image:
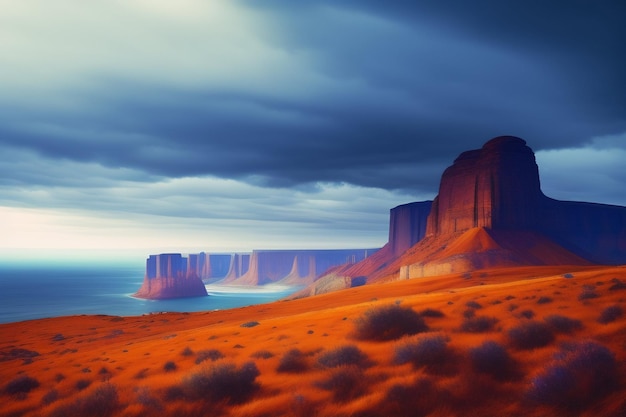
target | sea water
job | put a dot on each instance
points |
(33, 292)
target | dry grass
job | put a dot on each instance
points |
(438, 372)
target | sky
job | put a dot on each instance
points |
(142, 126)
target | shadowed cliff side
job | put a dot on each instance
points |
(169, 276)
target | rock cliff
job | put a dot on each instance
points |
(171, 275)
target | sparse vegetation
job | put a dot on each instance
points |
(187, 352)
(479, 324)
(428, 351)
(562, 324)
(617, 284)
(342, 356)
(222, 382)
(610, 314)
(544, 300)
(169, 366)
(388, 323)
(293, 361)
(417, 399)
(580, 374)
(430, 312)
(346, 383)
(50, 397)
(262, 354)
(250, 324)
(101, 402)
(588, 292)
(493, 359)
(473, 304)
(530, 335)
(212, 354)
(21, 385)
(527, 314)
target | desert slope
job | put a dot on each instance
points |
(281, 354)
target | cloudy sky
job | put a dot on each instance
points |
(150, 125)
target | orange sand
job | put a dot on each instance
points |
(133, 350)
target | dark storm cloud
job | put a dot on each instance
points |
(386, 95)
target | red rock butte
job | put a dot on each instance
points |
(489, 212)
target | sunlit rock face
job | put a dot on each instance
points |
(495, 187)
(169, 275)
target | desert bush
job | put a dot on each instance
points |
(430, 352)
(169, 366)
(222, 382)
(568, 275)
(212, 354)
(478, 324)
(50, 397)
(344, 355)
(145, 398)
(530, 335)
(250, 324)
(563, 324)
(588, 292)
(579, 374)
(469, 313)
(617, 284)
(346, 383)
(610, 314)
(262, 354)
(544, 300)
(473, 304)
(187, 352)
(21, 385)
(81, 384)
(388, 323)
(527, 314)
(417, 399)
(101, 402)
(430, 312)
(293, 361)
(493, 359)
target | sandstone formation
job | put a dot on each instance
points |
(171, 275)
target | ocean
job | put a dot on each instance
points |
(33, 292)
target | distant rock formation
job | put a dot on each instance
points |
(295, 267)
(171, 275)
(490, 211)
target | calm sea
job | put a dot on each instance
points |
(28, 292)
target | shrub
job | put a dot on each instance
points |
(579, 374)
(388, 323)
(212, 354)
(544, 300)
(530, 335)
(617, 284)
(473, 304)
(588, 292)
(563, 324)
(187, 352)
(50, 397)
(568, 275)
(345, 355)
(469, 313)
(101, 402)
(527, 314)
(145, 398)
(81, 384)
(417, 399)
(250, 324)
(169, 366)
(430, 352)
(293, 361)
(429, 312)
(222, 382)
(346, 383)
(478, 324)
(21, 385)
(610, 314)
(262, 354)
(492, 359)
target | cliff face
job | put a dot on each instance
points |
(296, 267)
(407, 225)
(495, 187)
(169, 275)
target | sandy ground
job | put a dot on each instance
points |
(137, 366)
